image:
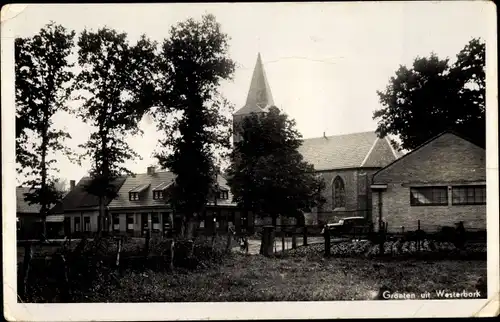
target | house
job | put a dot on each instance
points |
(142, 205)
(345, 162)
(29, 222)
(80, 209)
(440, 183)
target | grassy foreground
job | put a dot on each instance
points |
(294, 278)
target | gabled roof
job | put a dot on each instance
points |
(421, 146)
(156, 181)
(162, 186)
(79, 199)
(356, 150)
(23, 206)
(259, 96)
(149, 181)
(222, 184)
(140, 188)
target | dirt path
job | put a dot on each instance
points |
(254, 244)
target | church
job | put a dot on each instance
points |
(345, 162)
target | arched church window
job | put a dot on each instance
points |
(338, 193)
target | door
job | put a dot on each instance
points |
(67, 226)
(144, 224)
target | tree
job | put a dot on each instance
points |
(268, 175)
(116, 86)
(434, 96)
(42, 76)
(190, 111)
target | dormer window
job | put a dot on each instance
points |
(134, 194)
(158, 195)
(159, 192)
(223, 194)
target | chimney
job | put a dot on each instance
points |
(151, 170)
(71, 184)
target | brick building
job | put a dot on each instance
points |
(440, 183)
(346, 162)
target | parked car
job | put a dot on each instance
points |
(347, 226)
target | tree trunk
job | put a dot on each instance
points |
(43, 172)
(101, 216)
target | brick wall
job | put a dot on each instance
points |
(448, 160)
(397, 212)
(358, 195)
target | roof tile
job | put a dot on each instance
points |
(347, 151)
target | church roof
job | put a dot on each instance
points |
(356, 150)
(259, 96)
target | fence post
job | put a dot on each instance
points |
(418, 236)
(267, 240)
(294, 239)
(327, 241)
(305, 236)
(28, 255)
(146, 248)
(381, 238)
(119, 249)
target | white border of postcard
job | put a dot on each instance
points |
(241, 310)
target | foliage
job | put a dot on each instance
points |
(267, 174)
(42, 76)
(193, 63)
(115, 86)
(434, 96)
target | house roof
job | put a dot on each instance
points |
(356, 150)
(23, 206)
(259, 97)
(155, 181)
(420, 147)
(79, 198)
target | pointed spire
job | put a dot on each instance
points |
(259, 95)
(260, 92)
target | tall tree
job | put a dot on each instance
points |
(116, 86)
(193, 62)
(434, 96)
(268, 175)
(42, 76)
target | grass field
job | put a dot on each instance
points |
(310, 278)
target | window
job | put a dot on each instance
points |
(468, 195)
(134, 196)
(77, 223)
(338, 193)
(158, 195)
(223, 194)
(116, 222)
(429, 196)
(86, 224)
(130, 222)
(155, 218)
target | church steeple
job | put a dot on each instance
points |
(259, 96)
(260, 92)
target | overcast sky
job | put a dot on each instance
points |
(324, 62)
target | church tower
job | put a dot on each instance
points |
(259, 98)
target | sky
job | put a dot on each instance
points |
(324, 61)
